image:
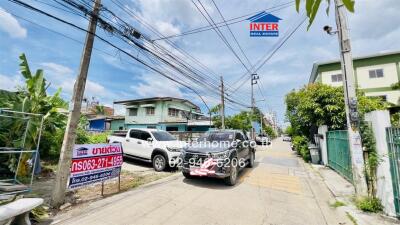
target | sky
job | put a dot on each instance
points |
(374, 28)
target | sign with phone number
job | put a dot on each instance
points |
(92, 163)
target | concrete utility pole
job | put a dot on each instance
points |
(262, 122)
(254, 78)
(350, 101)
(222, 103)
(63, 169)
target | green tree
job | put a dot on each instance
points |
(269, 131)
(33, 98)
(312, 7)
(240, 121)
(215, 116)
(99, 110)
(320, 104)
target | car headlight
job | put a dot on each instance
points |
(220, 155)
(174, 149)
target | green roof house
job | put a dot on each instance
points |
(374, 74)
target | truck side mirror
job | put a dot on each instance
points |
(150, 139)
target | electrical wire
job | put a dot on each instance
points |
(218, 31)
(221, 24)
(272, 52)
(234, 37)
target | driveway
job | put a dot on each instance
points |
(133, 165)
(280, 189)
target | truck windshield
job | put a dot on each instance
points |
(163, 136)
(216, 136)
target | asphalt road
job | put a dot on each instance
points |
(280, 189)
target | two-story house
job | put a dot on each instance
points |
(164, 113)
(374, 74)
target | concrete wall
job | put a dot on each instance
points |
(326, 78)
(379, 121)
(391, 96)
(389, 76)
(116, 124)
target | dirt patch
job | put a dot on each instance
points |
(128, 181)
(43, 186)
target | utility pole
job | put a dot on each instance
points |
(222, 104)
(254, 78)
(261, 122)
(350, 97)
(63, 169)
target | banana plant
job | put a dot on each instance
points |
(33, 98)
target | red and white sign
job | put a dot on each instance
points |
(93, 163)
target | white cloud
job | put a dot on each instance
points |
(10, 25)
(167, 28)
(55, 68)
(62, 76)
(10, 83)
(152, 85)
(170, 17)
(95, 88)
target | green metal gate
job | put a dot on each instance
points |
(339, 157)
(393, 140)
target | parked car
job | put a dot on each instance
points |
(151, 145)
(220, 154)
(263, 139)
(287, 138)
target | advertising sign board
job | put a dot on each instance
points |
(92, 163)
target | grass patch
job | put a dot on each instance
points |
(369, 204)
(353, 220)
(337, 204)
(140, 180)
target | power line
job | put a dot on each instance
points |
(107, 42)
(234, 38)
(218, 31)
(180, 50)
(280, 43)
(104, 26)
(221, 24)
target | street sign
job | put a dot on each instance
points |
(92, 163)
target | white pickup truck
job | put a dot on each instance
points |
(156, 146)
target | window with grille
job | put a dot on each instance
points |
(133, 112)
(378, 73)
(150, 111)
(173, 112)
(337, 78)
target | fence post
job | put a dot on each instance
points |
(380, 120)
(322, 143)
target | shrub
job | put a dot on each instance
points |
(300, 143)
(337, 204)
(97, 138)
(369, 204)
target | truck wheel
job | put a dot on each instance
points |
(159, 163)
(187, 175)
(232, 178)
(251, 159)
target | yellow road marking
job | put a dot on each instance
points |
(281, 182)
